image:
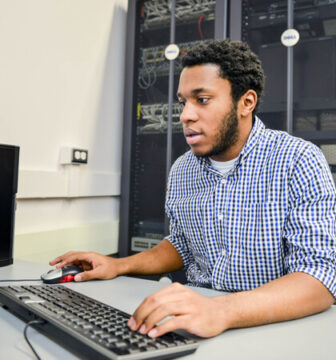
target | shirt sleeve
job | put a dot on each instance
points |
(310, 231)
(176, 236)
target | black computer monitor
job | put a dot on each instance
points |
(9, 162)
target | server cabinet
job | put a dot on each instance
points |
(147, 124)
(300, 92)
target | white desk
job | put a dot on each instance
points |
(311, 338)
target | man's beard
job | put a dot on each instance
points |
(227, 134)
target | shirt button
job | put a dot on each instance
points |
(218, 287)
(223, 252)
(223, 181)
(220, 217)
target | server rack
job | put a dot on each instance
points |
(300, 92)
(152, 133)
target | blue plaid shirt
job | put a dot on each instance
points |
(272, 214)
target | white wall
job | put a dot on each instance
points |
(62, 77)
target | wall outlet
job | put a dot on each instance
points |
(73, 156)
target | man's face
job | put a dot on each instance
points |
(209, 116)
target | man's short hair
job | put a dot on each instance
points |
(237, 63)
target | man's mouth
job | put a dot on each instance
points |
(192, 136)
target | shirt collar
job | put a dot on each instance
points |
(252, 141)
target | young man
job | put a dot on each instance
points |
(252, 211)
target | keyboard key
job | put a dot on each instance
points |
(86, 326)
(120, 351)
(112, 339)
(133, 349)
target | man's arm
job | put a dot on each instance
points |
(290, 297)
(161, 259)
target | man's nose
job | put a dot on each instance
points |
(188, 113)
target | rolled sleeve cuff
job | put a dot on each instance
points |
(180, 248)
(326, 275)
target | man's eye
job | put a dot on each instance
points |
(202, 100)
(182, 102)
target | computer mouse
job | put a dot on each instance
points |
(66, 274)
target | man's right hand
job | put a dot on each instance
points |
(162, 258)
(94, 265)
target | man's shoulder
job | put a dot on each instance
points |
(185, 163)
(186, 159)
(285, 144)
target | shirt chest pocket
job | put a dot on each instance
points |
(256, 226)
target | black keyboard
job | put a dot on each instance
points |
(88, 327)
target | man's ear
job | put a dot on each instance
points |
(247, 103)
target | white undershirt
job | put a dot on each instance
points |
(223, 166)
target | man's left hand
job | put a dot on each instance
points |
(195, 313)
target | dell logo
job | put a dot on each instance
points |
(290, 37)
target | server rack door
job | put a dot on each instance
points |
(313, 72)
(314, 75)
(262, 24)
